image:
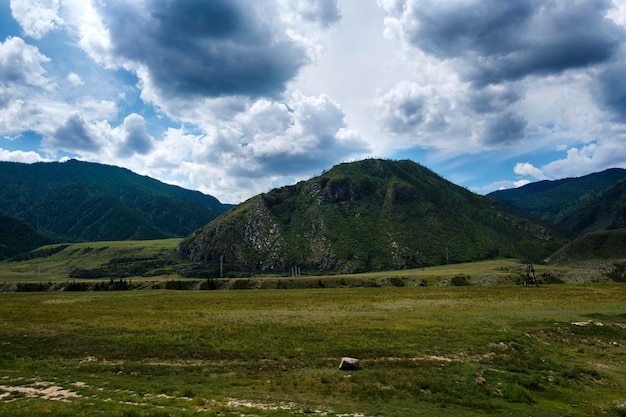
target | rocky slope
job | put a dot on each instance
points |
(364, 216)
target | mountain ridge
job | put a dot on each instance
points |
(83, 201)
(367, 215)
(590, 203)
(17, 237)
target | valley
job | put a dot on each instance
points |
(157, 265)
(250, 314)
(425, 351)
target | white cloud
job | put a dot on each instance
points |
(75, 79)
(28, 157)
(527, 169)
(21, 64)
(618, 12)
(136, 139)
(521, 183)
(593, 157)
(265, 144)
(36, 17)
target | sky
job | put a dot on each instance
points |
(236, 97)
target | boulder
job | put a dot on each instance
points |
(349, 364)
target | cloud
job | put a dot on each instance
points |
(234, 97)
(136, 139)
(200, 49)
(73, 136)
(528, 169)
(36, 17)
(409, 107)
(493, 98)
(74, 79)
(503, 54)
(21, 64)
(502, 128)
(521, 183)
(611, 87)
(24, 89)
(272, 143)
(28, 157)
(506, 41)
(324, 12)
(304, 134)
(593, 157)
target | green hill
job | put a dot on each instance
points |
(17, 237)
(599, 247)
(590, 203)
(367, 216)
(81, 201)
(603, 210)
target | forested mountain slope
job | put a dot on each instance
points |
(81, 201)
(364, 216)
(590, 203)
(17, 237)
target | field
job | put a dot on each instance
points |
(503, 350)
(154, 264)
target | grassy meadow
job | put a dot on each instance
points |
(501, 350)
(155, 264)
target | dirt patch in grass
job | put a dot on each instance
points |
(41, 389)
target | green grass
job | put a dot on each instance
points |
(154, 264)
(53, 265)
(463, 351)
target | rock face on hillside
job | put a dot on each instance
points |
(364, 216)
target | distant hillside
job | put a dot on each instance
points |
(603, 210)
(589, 203)
(81, 201)
(365, 216)
(595, 246)
(17, 237)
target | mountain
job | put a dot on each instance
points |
(81, 201)
(590, 203)
(365, 216)
(602, 210)
(17, 237)
(600, 246)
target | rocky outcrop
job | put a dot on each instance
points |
(363, 216)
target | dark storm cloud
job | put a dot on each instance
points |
(498, 49)
(504, 128)
(611, 91)
(493, 98)
(73, 136)
(200, 48)
(500, 41)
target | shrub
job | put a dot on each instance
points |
(396, 281)
(242, 284)
(460, 280)
(516, 393)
